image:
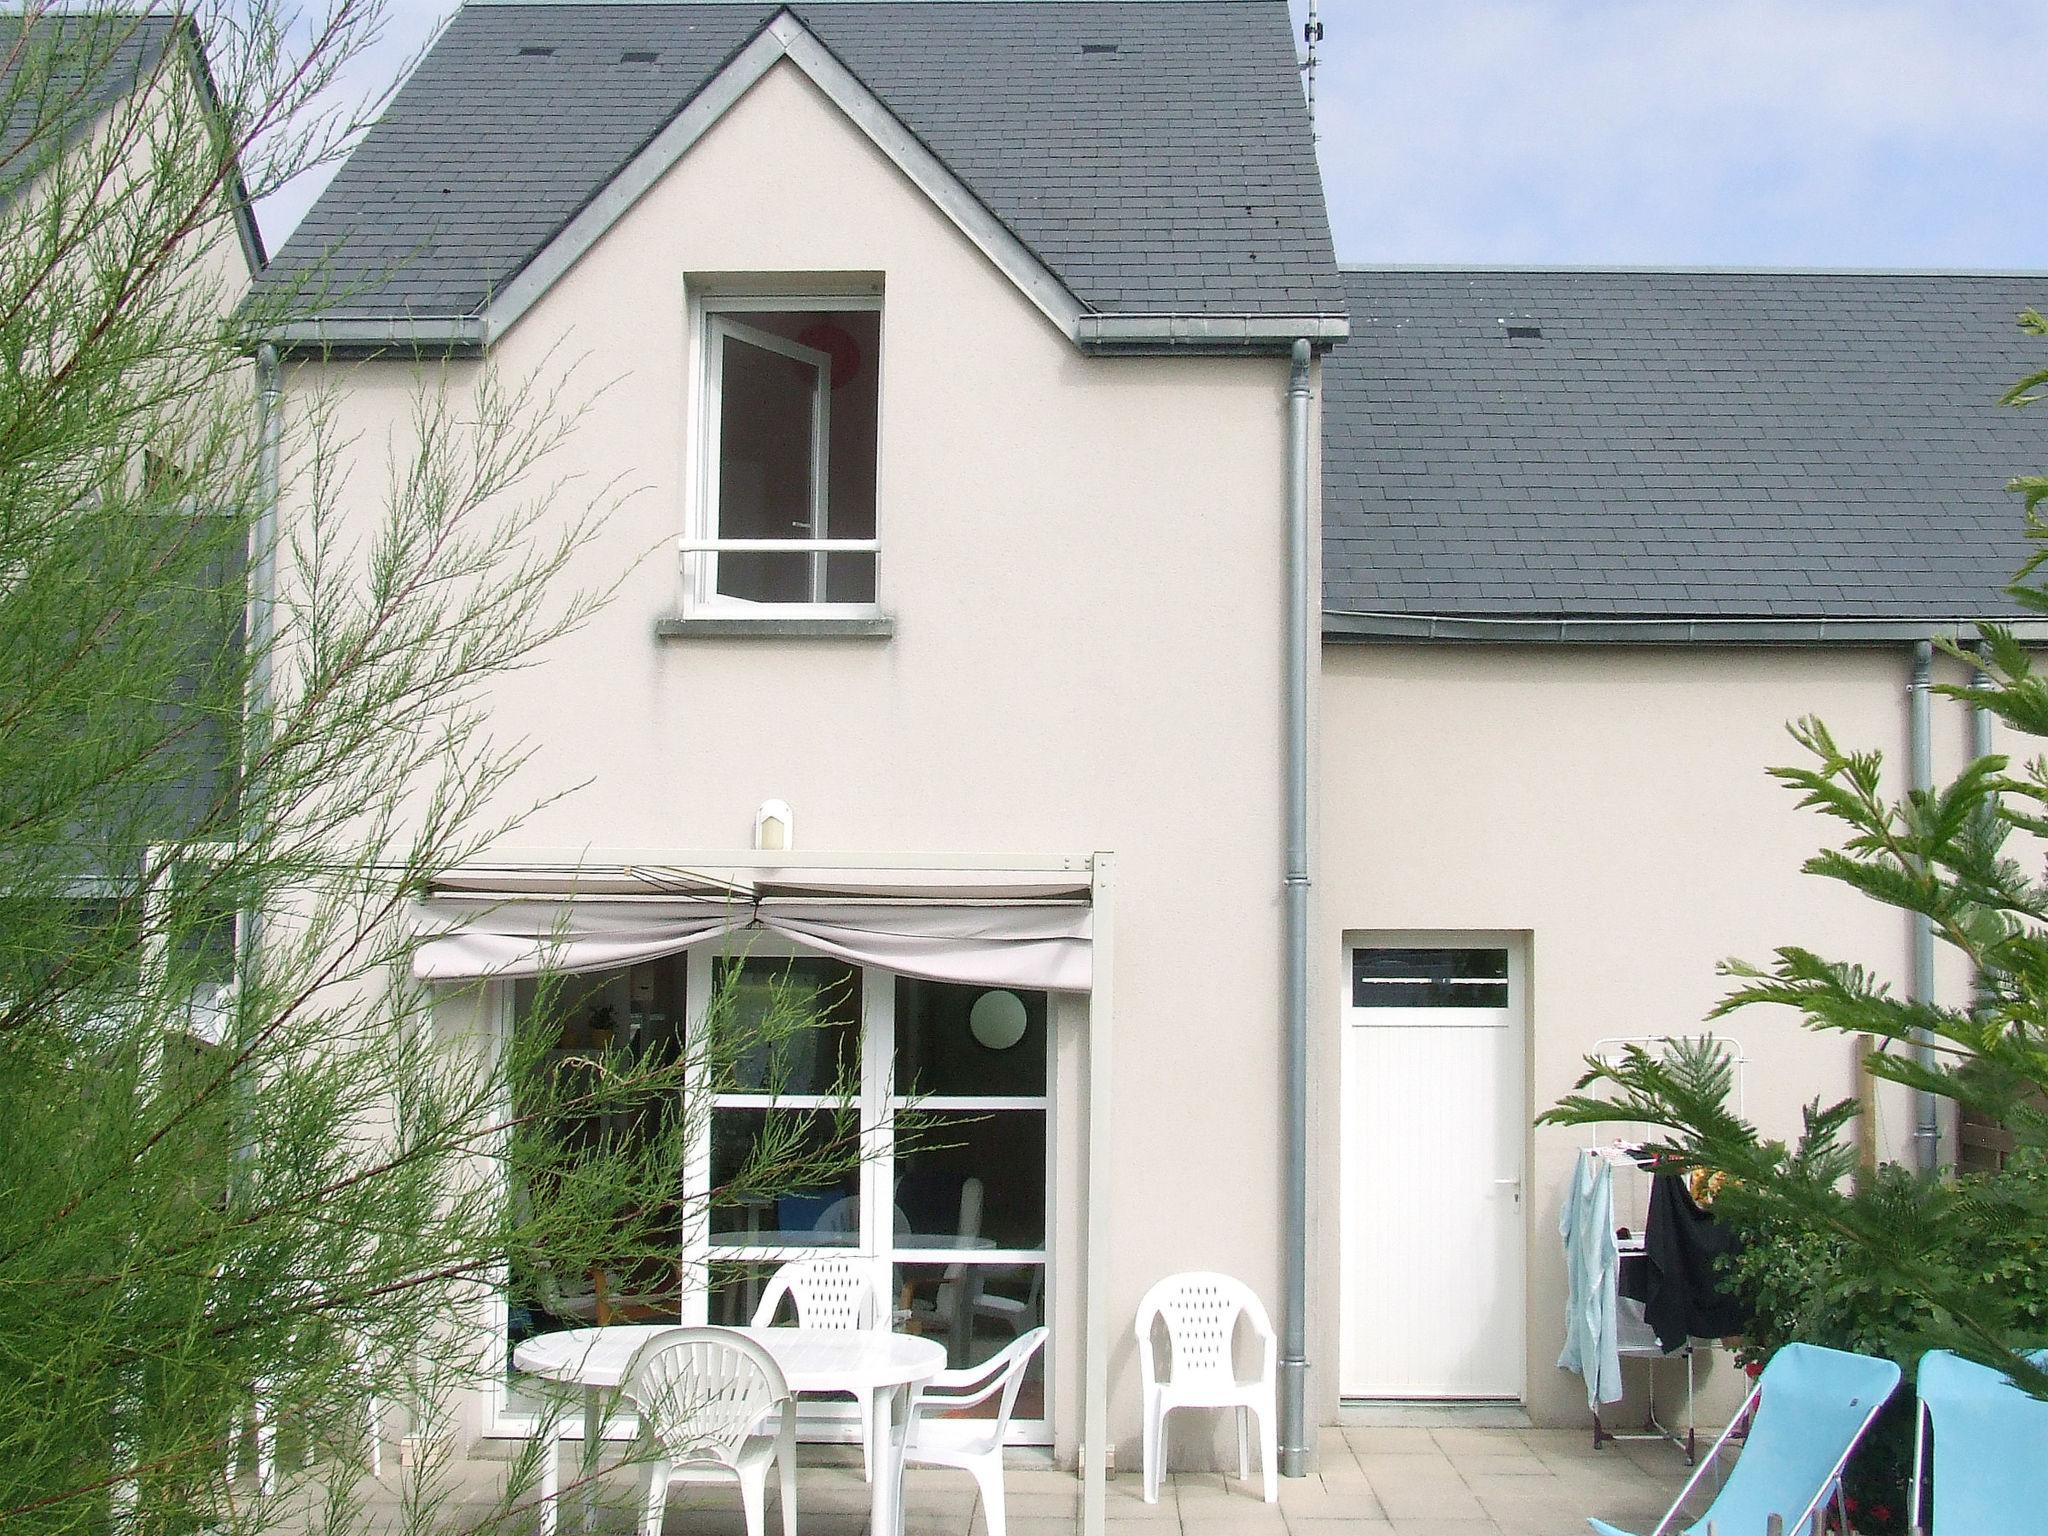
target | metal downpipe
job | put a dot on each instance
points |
(1926, 1122)
(261, 627)
(1293, 1436)
(1981, 746)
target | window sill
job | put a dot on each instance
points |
(875, 626)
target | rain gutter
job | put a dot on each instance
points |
(1809, 630)
(1109, 334)
(1098, 332)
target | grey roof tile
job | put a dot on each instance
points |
(1174, 174)
(87, 62)
(1678, 444)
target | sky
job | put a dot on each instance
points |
(1801, 133)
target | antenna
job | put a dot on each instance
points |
(1312, 35)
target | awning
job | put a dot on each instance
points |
(982, 926)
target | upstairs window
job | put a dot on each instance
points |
(785, 513)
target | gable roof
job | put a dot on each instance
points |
(99, 58)
(1755, 450)
(1142, 168)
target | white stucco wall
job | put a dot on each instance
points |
(1084, 561)
(1611, 806)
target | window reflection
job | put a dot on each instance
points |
(939, 1051)
(971, 1180)
(819, 1060)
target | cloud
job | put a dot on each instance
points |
(1796, 132)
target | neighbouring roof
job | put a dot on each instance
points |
(1154, 155)
(1675, 445)
(99, 60)
(100, 57)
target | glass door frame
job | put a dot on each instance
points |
(821, 1420)
(876, 1241)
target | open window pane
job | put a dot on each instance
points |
(767, 440)
(798, 411)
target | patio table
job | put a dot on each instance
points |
(812, 1360)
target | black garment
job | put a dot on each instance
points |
(1632, 1279)
(1683, 1298)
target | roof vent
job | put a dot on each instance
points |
(536, 53)
(1525, 332)
(1087, 48)
(638, 56)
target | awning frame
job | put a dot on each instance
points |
(709, 877)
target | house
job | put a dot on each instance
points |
(989, 310)
(968, 361)
(1591, 539)
(119, 196)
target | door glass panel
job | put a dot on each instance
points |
(765, 469)
(820, 1060)
(785, 1177)
(957, 1162)
(736, 1291)
(976, 1310)
(580, 1022)
(980, 1041)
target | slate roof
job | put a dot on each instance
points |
(101, 59)
(1174, 174)
(1700, 444)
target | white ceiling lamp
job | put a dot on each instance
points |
(774, 827)
(998, 1020)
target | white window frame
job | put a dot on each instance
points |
(713, 318)
(820, 1419)
(1436, 1015)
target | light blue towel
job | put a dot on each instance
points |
(1592, 1260)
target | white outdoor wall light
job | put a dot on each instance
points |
(774, 827)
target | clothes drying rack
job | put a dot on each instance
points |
(1635, 1339)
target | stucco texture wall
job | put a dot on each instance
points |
(1612, 807)
(1070, 548)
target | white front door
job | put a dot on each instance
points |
(1435, 1119)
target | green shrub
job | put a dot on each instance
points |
(1817, 1287)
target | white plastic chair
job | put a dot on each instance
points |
(716, 1406)
(978, 1452)
(1016, 1313)
(1201, 1312)
(263, 1425)
(836, 1292)
(952, 1304)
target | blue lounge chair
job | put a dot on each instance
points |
(1812, 1405)
(1990, 1449)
